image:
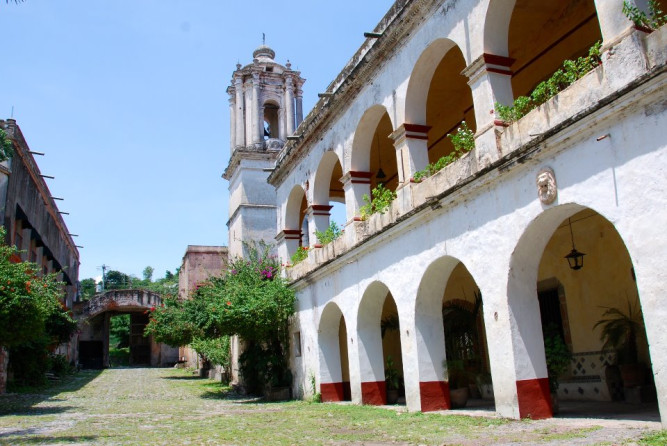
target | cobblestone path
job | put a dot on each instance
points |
(165, 406)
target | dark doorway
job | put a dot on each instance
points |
(91, 354)
(140, 345)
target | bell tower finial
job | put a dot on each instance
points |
(263, 39)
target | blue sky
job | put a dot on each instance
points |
(127, 98)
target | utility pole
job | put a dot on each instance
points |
(104, 276)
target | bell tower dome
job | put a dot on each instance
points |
(265, 105)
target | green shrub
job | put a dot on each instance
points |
(463, 141)
(653, 20)
(571, 71)
(300, 255)
(379, 203)
(330, 234)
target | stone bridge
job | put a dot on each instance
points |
(94, 318)
(122, 301)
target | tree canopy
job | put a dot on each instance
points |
(250, 300)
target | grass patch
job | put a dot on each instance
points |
(654, 439)
(170, 406)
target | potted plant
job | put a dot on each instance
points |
(620, 331)
(458, 384)
(558, 358)
(392, 379)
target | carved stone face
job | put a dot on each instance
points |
(546, 186)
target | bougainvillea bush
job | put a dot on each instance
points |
(251, 300)
(32, 317)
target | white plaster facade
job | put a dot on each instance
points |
(603, 137)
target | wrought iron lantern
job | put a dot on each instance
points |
(575, 258)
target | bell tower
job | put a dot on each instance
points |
(265, 105)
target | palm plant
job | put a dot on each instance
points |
(621, 330)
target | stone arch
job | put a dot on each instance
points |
(371, 360)
(328, 192)
(439, 96)
(271, 119)
(443, 285)
(420, 80)
(539, 258)
(333, 354)
(324, 178)
(360, 161)
(294, 219)
(532, 42)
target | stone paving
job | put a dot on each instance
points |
(166, 406)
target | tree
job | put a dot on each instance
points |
(251, 301)
(88, 288)
(148, 273)
(117, 280)
(31, 313)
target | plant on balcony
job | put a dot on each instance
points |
(571, 71)
(463, 141)
(330, 234)
(300, 255)
(653, 20)
(379, 203)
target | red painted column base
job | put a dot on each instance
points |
(534, 398)
(331, 392)
(374, 393)
(434, 395)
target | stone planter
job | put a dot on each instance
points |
(459, 397)
(392, 396)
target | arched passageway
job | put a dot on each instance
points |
(295, 221)
(377, 310)
(451, 338)
(334, 362)
(557, 307)
(95, 316)
(328, 194)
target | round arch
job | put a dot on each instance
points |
(293, 217)
(323, 177)
(333, 386)
(546, 298)
(371, 360)
(363, 138)
(420, 80)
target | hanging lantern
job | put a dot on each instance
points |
(575, 258)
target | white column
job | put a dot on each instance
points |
(281, 124)
(613, 23)
(240, 135)
(355, 185)
(289, 106)
(411, 144)
(490, 81)
(318, 220)
(257, 116)
(232, 120)
(299, 106)
(249, 113)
